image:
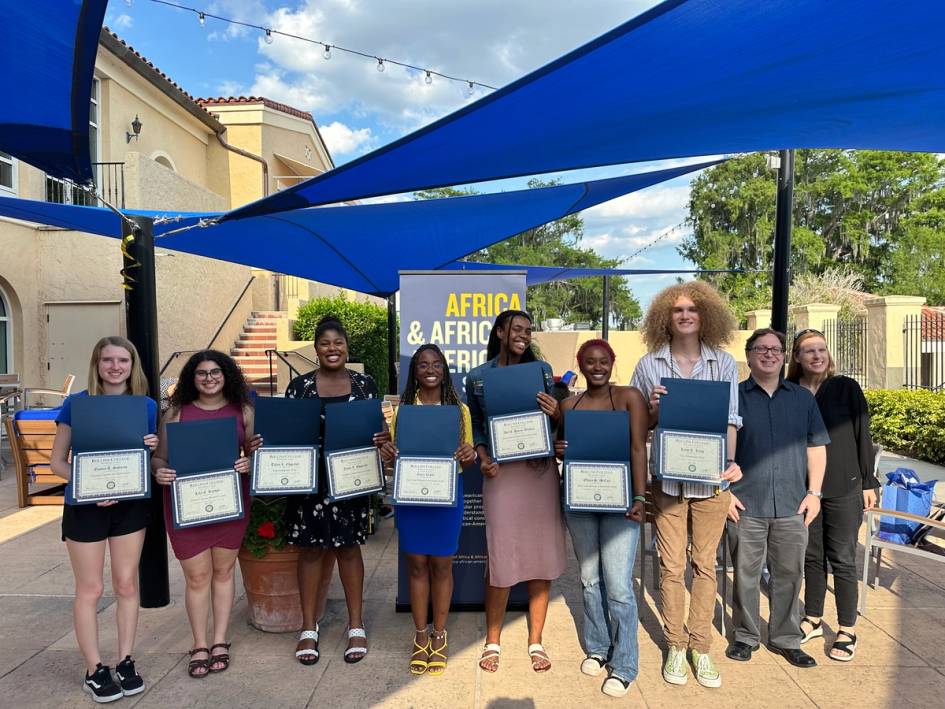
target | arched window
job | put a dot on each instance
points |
(6, 334)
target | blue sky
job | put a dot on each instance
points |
(358, 108)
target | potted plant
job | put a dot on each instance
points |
(269, 569)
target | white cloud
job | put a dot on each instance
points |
(652, 203)
(342, 140)
(123, 22)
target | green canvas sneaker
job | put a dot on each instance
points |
(676, 671)
(706, 674)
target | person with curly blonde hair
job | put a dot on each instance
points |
(685, 327)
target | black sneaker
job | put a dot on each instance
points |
(130, 681)
(101, 685)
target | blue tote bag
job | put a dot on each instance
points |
(904, 492)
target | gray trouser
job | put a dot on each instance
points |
(783, 541)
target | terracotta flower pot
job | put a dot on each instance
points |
(272, 590)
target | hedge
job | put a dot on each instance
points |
(366, 324)
(911, 421)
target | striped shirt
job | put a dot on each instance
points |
(713, 365)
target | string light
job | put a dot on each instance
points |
(202, 19)
(659, 238)
(428, 79)
(270, 34)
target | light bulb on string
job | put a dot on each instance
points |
(428, 79)
(268, 38)
(201, 18)
(326, 55)
(380, 64)
(470, 88)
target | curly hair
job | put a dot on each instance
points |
(235, 390)
(717, 324)
(448, 394)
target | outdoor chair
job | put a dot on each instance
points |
(9, 398)
(31, 436)
(30, 392)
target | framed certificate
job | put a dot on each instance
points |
(109, 475)
(354, 472)
(425, 480)
(596, 486)
(520, 436)
(285, 470)
(206, 498)
(691, 456)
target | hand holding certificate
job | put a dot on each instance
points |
(425, 471)
(109, 459)
(287, 464)
(597, 461)
(690, 440)
(518, 428)
(207, 488)
(353, 463)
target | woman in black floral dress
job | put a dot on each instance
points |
(316, 524)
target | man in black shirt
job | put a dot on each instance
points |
(782, 453)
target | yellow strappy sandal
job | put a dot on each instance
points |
(437, 667)
(418, 665)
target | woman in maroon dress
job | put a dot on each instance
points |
(211, 386)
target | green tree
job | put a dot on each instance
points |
(917, 258)
(851, 209)
(558, 243)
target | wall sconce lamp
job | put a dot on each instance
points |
(136, 130)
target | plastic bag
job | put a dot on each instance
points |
(904, 492)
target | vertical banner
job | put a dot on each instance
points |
(454, 310)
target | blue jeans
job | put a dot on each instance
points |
(606, 545)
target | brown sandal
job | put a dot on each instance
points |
(223, 657)
(195, 665)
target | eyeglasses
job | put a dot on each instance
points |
(424, 366)
(214, 373)
(767, 350)
(808, 331)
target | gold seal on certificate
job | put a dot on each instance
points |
(205, 498)
(688, 456)
(425, 480)
(520, 436)
(594, 486)
(285, 470)
(354, 472)
(109, 475)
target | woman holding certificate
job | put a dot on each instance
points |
(521, 499)
(317, 524)
(211, 386)
(115, 370)
(849, 487)
(605, 542)
(684, 330)
(429, 536)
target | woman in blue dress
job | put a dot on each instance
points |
(429, 536)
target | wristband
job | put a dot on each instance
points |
(815, 493)
(639, 498)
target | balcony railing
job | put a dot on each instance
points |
(109, 181)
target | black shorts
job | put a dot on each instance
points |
(91, 523)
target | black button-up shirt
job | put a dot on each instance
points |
(772, 447)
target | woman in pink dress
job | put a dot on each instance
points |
(211, 386)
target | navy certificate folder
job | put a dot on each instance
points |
(202, 446)
(352, 424)
(513, 390)
(428, 430)
(108, 423)
(287, 422)
(597, 435)
(694, 405)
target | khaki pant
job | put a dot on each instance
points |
(675, 520)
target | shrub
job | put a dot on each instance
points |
(366, 324)
(909, 420)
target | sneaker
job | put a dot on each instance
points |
(593, 665)
(614, 686)
(130, 681)
(101, 685)
(676, 671)
(706, 674)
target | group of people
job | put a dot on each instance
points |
(797, 478)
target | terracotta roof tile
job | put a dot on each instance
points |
(275, 105)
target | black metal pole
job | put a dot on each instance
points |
(605, 315)
(782, 242)
(137, 247)
(392, 344)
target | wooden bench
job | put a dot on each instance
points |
(31, 442)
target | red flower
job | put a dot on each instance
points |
(267, 530)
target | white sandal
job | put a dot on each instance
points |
(356, 633)
(308, 656)
(537, 650)
(490, 651)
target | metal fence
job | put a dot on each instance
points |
(924, 353)
(846, 340)
(109, 180)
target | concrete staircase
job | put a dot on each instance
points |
(259, 335)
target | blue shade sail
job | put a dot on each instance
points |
(47, 57)
(686, 78)
(361, 247)
(536, 275)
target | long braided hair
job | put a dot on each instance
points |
(448, 394)
(505, 319)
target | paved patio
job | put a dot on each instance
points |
(898, 662)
